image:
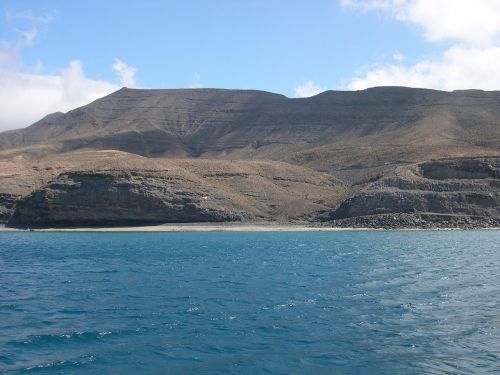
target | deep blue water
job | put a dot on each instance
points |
(250, 303)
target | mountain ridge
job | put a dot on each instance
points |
(347, 158)
(252, 124)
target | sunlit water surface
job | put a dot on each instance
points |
(250, 303)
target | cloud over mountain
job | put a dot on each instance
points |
(27, 93)
(471, 30)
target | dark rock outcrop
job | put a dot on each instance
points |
(114, 198)
(7, 206)
(398, 151)
(417, 221)
(461, 169)
(115, 188)
(463, 187)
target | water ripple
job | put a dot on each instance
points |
(245, 303)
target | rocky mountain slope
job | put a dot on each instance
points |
(117, 188)
(466, 187)
(373, 158)
(345, 132)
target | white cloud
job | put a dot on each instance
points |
(472, 61)
(9, 57)
(26, 98)
(196, 81)
(368, 5)
(125, 73)
(474, 22)
(398, 56)
(27, 94)
(29, 16)
(307, 89)
(458, 68)
(29, 35)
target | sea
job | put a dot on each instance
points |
(354, 302)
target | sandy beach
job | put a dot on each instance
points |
(198, 227)
(221, 227)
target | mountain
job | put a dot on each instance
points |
(334, 130)
(356, 140)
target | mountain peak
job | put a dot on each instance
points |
(369, 127)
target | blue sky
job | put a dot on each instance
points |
(270, 45)
(56, 55)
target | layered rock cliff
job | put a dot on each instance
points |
(124, 197)
(373, 157)
(453, 187)
(116, 188)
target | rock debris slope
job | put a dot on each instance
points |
(147, 156)
(468, 187)
(117, 188)
(349, 132)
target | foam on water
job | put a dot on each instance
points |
(245, 303)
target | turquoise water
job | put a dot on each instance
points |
(250, 303)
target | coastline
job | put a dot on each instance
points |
(194, 227)
(226, 227)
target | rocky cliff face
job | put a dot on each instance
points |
(466, 187)
(18, 178)
(116, 188)
(85, 198)
(113, 188)
(146, 156)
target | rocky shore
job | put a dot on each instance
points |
(388, 157)
(416, 221)
(116, 189)
(451, 193)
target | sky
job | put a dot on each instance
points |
(56, 55)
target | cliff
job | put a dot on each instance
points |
(376, 158)
(446, 189)
(116, 188)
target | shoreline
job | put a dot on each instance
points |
(209, 227)
(194, 227)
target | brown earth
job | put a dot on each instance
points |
(148, 156)
(351, 133)
(117, 188)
